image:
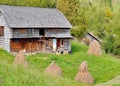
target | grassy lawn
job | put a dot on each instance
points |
(102, 68)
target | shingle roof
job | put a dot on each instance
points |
(34, 17)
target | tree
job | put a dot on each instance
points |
(76, 12)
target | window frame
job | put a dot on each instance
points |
(1, 31)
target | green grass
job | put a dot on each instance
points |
(102, 68)
(11, 75)
(116, 85)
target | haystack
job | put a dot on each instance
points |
(53, 69)
(83, 75)
(95, 48)
(20, 58)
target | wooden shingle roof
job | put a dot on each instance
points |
(34, 17)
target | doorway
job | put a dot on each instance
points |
(58, 43)
(54, 44)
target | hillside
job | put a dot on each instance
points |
(102, 68)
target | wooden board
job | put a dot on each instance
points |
(31, 45)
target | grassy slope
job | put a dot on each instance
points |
(11, 75)
(102, 68)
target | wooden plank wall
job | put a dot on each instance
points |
(31, 45)
(25, 33)
(7, 33)
(57, 32)
(2, 42)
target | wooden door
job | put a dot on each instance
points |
(58, 43)
(15, 45)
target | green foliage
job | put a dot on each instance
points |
(108, 44)
(38, 3)
(77, 14)
(70, 9)
(78, 31)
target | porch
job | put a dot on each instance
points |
(32, 45)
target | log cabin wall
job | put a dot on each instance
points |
(57, 32)
(66, 44)
(30, 45)
(25, 33)
(2, 42)
(32, 41)
(62, 37)
(5, 40)
(1, 36)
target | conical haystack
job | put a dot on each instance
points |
(95, 48)
(53, 69)
(83, 75)
(20, 58)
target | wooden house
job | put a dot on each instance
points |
(88, 38)
(91, 37)
(34, 29)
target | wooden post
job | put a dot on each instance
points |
(37, 46)
(30, 47)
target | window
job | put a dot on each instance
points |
(1, 30)
(42, 32)
(62, 42)
(15, 31)
(29, 31)
(22, 30)
(33, 30)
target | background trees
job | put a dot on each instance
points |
(98, 17)
(38, 3)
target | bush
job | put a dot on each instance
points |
(110, 45)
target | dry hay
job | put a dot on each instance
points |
(94, 48)
(53, 69)
(20, 58)
(83, 75)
